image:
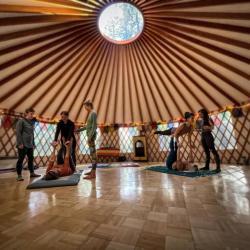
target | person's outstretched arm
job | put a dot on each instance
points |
(164, 132)
(81, 129)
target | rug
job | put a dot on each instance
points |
(201, 173)
(71, 180)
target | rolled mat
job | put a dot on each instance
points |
(7, 170)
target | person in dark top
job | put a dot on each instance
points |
(25, 143)
(206, 126)
(66, 128)
(175, 133)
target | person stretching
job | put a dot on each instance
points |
(175, 133)
(55, 170)
(184, 166)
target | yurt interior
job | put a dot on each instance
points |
(124, 124)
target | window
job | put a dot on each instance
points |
(121, 23)
(224, 131)
(83, 147)
(163, 139)
(44, 135)
(126, 139)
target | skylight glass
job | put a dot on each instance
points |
(121, 23)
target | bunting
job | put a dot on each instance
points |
(9, 119)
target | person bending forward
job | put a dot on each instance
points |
(175, 133)
(66, 127)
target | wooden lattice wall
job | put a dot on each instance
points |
(237, 142)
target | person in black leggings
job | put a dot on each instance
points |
(172, 155)
(207, 139)
(66, 128)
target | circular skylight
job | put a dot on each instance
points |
(121, 23)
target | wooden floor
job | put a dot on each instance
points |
(129, 208)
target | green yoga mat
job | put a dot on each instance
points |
(70, 180)
(165, 170)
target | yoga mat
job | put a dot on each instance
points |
(7, 165)
(7, 170)
(130, 164)
(26, 167)
(70, 180)
(165, 170)
(114, 165)
(102, 165)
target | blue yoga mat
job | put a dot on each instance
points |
(164, 169)
(102, 165)
(70, 180)
(115, 165)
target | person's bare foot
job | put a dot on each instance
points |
(90, 176)
(33, 175)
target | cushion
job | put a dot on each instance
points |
(108, 152)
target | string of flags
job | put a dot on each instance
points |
(9, 119)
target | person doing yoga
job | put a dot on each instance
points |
(55, 170)
(184, 166)
(175, 133)
(66, 128)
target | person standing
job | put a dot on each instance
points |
(90, 128)
(66, 127)
(25, 143)
(207, 139)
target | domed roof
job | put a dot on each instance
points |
(191, 54)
